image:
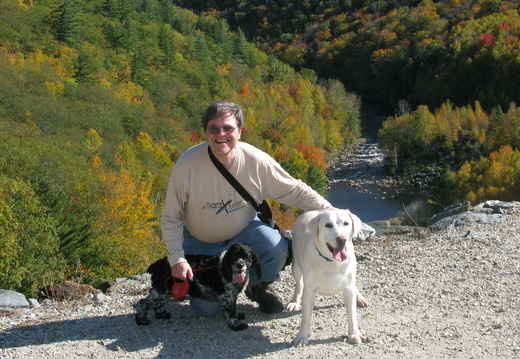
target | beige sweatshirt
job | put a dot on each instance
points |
(201, 199)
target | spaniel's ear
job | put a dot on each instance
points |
(256, 264)
(225, 267)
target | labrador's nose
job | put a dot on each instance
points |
(341, 240)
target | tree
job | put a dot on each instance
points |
(317, 179)
(201, 49)
(28, 239)
(68, 18)
(167, 46)
(86, 65)
(222, 40)
(242, 49)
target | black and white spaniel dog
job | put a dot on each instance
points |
(216, 278)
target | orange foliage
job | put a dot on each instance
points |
(284, 219)
(246, 91)
(485, 40)
(195, 136)
(313, 155)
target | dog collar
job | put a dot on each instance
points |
(321, 255)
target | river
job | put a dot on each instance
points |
(360, 184)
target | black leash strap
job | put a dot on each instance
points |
(232, 180)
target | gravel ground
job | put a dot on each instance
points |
(432, 294)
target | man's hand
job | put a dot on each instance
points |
(182, 271)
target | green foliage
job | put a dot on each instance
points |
(317, 179)
(68, 21)
(29, 244)
(296, 165)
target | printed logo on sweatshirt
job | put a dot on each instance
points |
(223, 206)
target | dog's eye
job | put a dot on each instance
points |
(328, 225)
(346, 223)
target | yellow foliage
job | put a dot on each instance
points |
(63, 62)
(145, 143)
(130, 208)
(94, 140)
(95, 161)
(333, 138)
(495, 177)
(303, 135)
(36, 57)
(15, 58)
(223, 69)
(104, 82)
(122, 70)
(130, 92)
(56, 88)
(129, 204)
(10, 249)
(280, 155)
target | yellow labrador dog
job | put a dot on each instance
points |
(324, 262)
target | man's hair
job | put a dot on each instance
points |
(219, 108)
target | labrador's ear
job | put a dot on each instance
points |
(314, 225)
(356, 224)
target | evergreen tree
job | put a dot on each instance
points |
(223, 40)
(68, 18)
(152, 9)
(166, 46)
(317, 179)
(242, 47)
(86, 68)
(202, 52)
(168, 10)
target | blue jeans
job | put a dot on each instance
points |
(265, 241)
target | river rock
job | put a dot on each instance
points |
(366, 232)
(450, 211)
(67, 290)
(462, 213)
(134, 285)
(498, 206)
(10, 300)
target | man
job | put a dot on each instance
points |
(203, 214)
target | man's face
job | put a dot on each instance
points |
(223, 135)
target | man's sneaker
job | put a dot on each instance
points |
(268, 302)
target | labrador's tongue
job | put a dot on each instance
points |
(340, 254)
(240, 277)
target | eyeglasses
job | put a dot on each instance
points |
(215, 130)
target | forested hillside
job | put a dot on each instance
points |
(98, 100)
(424, 52)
